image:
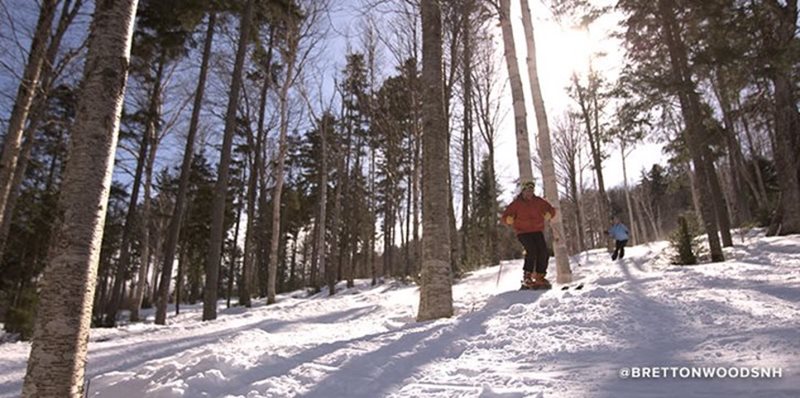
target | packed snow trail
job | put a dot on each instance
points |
(364, 342)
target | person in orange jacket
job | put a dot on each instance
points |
(527, 215)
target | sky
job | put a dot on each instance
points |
(560, 50)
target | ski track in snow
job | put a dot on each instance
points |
(364, 342)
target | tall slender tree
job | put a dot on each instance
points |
(466, 141)
(436, 297)
(487, 112)
(290, 54)
(49, 74)
(564, 273)
(22, 104)
(221, 186)
(148, 138)
(690, 107)
(177, 216)
(778, 22)
(517, 93)
(256, 152)
(57, 361)
(588, 102)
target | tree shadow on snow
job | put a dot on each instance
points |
(665, 338)
(378, 372)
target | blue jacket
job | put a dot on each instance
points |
(619, 231)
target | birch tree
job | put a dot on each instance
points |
(564, 273)
(517, 94)
(57, 361)
(25, 94)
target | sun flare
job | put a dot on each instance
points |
(572, 50)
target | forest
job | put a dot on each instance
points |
(159, 153)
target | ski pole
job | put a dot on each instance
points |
(499, 272)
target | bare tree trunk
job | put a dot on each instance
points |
(353, 243)
(155, 279)
(331, 268)
(144, 224)
(564, 273)
(436, 299)
(690, 107)
(221, 187)
(695, 191)
(407, 231)
(494, 240)
(160, 231)
(634, 228)
(781, 37)
(372, 240)
(313, 283)
(517, 94)
(125, 255)
(234, 256)
(250, 244)
(720, 205)
(176, 219)
(573, 183)
(786, 157)
(293, 263)
(483, 109)
(466, 158)
(640, 200)
(37, 115)
(319, 256)
(593, 133)
(22, 104)
(57, 360)
(247, 286)
(182, 260)
(416, 174)
(272, 270)
(739, 173)
(754, 155)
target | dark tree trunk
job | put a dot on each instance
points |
(221, 186)
(690, 107)
(176, 219)
(147, 140)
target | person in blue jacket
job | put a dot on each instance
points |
(620, 233)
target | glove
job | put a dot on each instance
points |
(510, 220)
(547, 216)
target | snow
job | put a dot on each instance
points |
(364, 342)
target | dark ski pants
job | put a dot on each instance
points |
(620, 250)
(536, 254)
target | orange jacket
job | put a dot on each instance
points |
(528, 215)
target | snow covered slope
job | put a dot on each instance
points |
(637, 312)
